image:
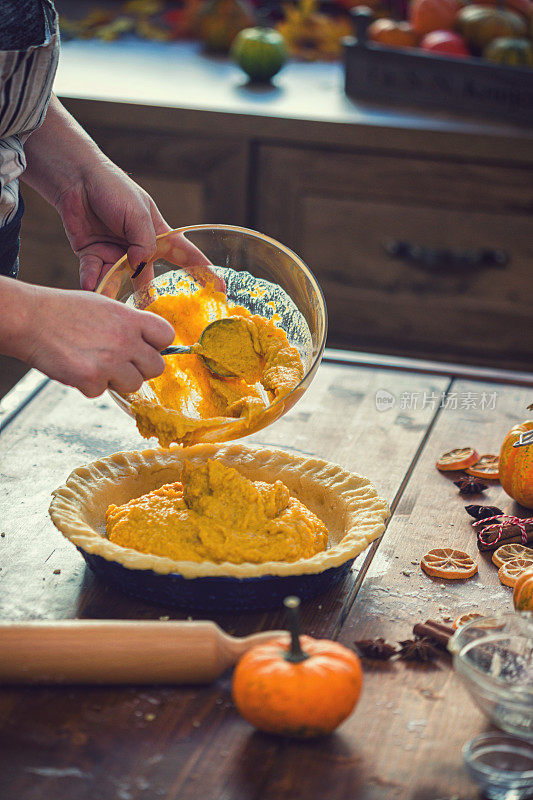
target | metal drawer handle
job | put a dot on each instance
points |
(434, 259)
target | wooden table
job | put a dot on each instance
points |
(404, 738)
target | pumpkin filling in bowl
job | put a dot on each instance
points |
(188, 399)
(216, 514)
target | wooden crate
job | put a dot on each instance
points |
(417, 78)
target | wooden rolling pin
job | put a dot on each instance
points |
(118, 651)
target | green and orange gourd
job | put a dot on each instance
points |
(509, 51)
(260, 52)
(480, 25)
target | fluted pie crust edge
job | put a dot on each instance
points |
(347, 503)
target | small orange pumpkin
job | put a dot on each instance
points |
(432, 15)
(516, 466)
(392, 33)
(302, 689)
(523, 592)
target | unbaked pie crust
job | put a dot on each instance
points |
(348, 505)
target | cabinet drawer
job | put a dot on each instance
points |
(46, 257)
(342, 224)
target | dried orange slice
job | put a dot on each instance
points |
(511, 570)
(509, 551)
(445, 562)
(488, 467)
(460, 458)
(464, 618)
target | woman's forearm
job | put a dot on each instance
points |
(17, 309)
(59, 154)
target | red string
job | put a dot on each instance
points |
(506, 519)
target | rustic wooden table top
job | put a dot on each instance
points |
(403, 740)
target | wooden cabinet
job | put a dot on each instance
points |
(194, 179)
(340, 210)
(46, 257)
(463, 292)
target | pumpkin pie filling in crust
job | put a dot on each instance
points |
(325, 498)
(205, 509)
(188, 400)
(216, 514)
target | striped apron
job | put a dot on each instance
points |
(26, 78)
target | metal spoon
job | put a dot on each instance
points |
(212, 366)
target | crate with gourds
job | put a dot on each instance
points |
(497, 31)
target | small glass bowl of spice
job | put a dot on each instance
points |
(494, 658)
(501, 765)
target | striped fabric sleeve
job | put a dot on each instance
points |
(26, 79)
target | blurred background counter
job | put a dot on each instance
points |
(417, 225)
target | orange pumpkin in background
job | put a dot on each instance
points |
(432, 15)
(523, 592)
(516, 466)
(392, 33)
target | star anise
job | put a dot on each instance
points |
(470, 485)
(482, 512)
(375, 648)
(418, 650)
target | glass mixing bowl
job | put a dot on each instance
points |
(258, 272)
(494, 658)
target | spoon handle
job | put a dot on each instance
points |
(176, 350)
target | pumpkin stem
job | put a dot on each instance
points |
(295, 654)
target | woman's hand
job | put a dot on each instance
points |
(104, 212)
(83, 339)
(105, 215)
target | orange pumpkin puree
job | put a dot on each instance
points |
(187, 399)
(216, 514)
